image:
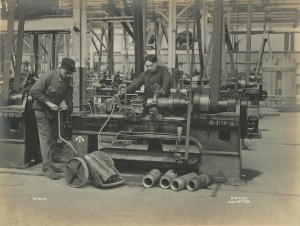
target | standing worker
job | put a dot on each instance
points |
(51, 93)
(155, 75)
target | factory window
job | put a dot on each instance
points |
(224, 134)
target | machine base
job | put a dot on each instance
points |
(145, 160)
(13, 154)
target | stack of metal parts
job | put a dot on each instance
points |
(191, 181)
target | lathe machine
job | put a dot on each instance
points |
(154, 134)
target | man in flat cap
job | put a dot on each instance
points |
(50, 93)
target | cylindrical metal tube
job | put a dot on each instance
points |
(195, 183)
(179, 183)
(151, 178)
(166, 179)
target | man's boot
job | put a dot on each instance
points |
(50, 173)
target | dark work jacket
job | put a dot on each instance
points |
(160, 77)
(50, 87)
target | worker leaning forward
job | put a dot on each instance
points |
(50, 93)
(155, 77)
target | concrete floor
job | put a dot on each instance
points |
(270, 196)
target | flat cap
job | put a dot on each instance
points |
(68, 64)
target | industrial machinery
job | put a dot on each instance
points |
(193, 130)
(19, 139)
(251, 93)
(155, 135)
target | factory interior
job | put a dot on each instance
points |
(178, 112)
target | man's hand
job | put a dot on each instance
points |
(63, 106)
(52, 106)
(161, 92)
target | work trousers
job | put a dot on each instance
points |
(48, 134)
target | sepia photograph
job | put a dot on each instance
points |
(149, 112)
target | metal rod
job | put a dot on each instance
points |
(59, 133)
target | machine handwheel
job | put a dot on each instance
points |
(76, 172)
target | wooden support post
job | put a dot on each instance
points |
(172, 34)
(270, 48)
(53, 52)
(19, 52)
(57, 50)
(125, 54)
(110, 53)
(286, 41)
(69, 45)
(2, 51)
(80, 52)
(230, 49)
(65, 45)
(83, 54)
(217, 36)
(158, 41)
(76, 51)
(156, 27)
(261, 52)
(8, 51)
(207, 60)
(187, 30)
(138, 36)
(48, 40)
(144, 15)
(36, 53)
(292, 47)
(99, 39)
(110, 44)
(248, 44)
(165, 31)
(92, 57)
(204, 22)
(100, 53)
(224, 49)
(95, 45)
